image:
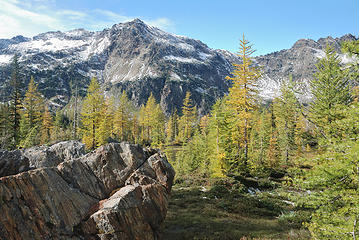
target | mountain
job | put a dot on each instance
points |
(299, 62)
(142, 59)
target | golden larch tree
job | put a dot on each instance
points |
(92, 113)
(47, 126)
(106, 128)
(122, 118)
(33, 105)
(188, 118)
(242, 96)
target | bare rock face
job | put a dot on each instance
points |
(119, 191)
(50, 156)
(13, 162)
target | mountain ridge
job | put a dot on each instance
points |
(142, 59)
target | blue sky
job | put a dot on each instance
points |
(271, 25)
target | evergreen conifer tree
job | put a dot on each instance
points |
(286, 111)
(15, 105)
(330, 89)
(5, 126)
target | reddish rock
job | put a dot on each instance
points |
(119, 191)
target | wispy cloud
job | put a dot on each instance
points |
(31, 17)
(70, 14)
(113, 16)
(162, 23)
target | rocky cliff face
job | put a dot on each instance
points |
(142, 59)
(119, 191)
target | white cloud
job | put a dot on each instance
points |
(71, 14)
(113, 16)
(162, 23)
(17, 20)
(31, 17)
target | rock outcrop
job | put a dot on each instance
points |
(119, 191)
(50, 156)
(13, 162)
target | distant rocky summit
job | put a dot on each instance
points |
(118, 191)
(142, 59)
(299, 62)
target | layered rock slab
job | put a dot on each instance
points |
(119, 191)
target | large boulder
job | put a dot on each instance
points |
(13, 162)
(119, 191)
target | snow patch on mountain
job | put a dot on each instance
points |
(49, 45)
(77, 32)
(346, 59)
(319, 53)
(268, 87)
(96, 46)
(182, 59)
(174, 76)
(204, 56)
(5, 59)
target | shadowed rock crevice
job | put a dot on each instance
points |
(118, 191)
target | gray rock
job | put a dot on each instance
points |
(49, 156)
(118, 191)
(13, 162)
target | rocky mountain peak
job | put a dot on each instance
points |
(321, 43)
(348, 37)
(137, 21)
(20, 38)
(305, 43)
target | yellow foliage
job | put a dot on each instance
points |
(188, 118)
(33, 104)
(92, 114)
(47, 126)
(242, 96)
